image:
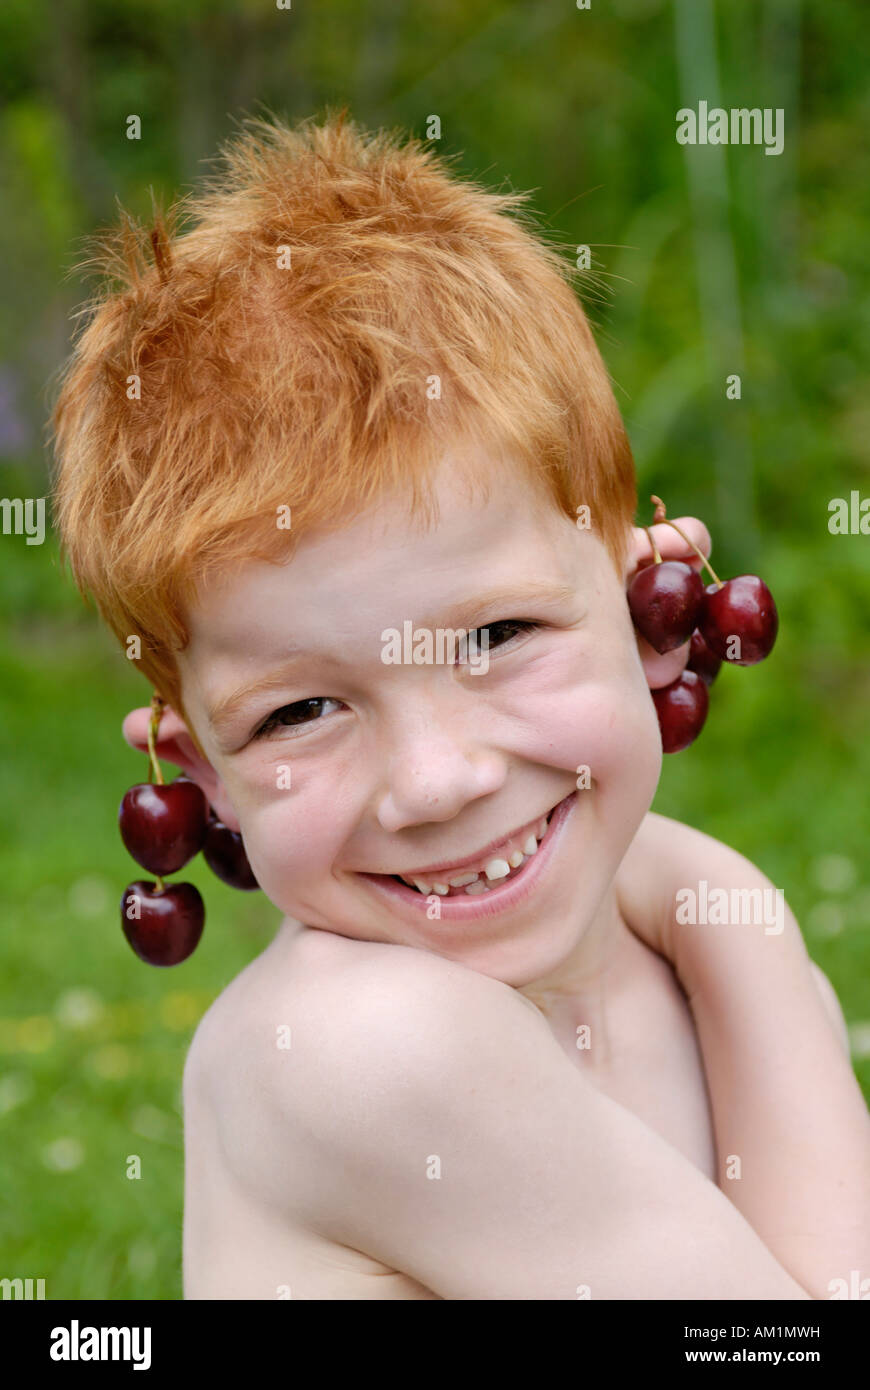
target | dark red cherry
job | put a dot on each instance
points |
(739, 622)
(224, 852)
(665, 600)
(162, 928)
(702, 660)
(681, 708)
(163, 826)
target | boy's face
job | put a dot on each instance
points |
(396, 768)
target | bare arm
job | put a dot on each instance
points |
(437, 1126)
(786, 1104)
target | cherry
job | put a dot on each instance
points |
(665, 600)
(163, 925)
(224, 852)
(702, 660)
(682, 710)
(163, 826)
(739, 621)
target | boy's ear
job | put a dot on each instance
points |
(175, 745)
(661, 670)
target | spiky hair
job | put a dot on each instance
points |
(272, 341)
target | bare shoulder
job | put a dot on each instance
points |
(673, 841)
(666, 856)
(684, 850)
(366, 1010)
(832, 1006)
(318, 1016)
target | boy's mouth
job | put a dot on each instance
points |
(492, 868)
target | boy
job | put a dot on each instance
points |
(511, 1074)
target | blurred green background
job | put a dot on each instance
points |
(712, 260)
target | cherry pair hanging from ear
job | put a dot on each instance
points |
(734, 621)
(163, 826)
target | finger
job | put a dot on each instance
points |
(661, 668)
(671, 545)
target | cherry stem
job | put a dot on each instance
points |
(655, 550)
(661, 516)
(154, 766)
(160, 885)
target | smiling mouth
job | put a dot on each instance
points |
(493, 870)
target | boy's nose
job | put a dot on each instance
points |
(432, 774)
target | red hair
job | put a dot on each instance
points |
(280, 351)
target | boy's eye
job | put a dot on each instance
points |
(499, 634)
(300, 712)
(311, 711)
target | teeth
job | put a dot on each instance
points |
(497, 868)
(494, 869)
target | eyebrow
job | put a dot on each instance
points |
(513, 597)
